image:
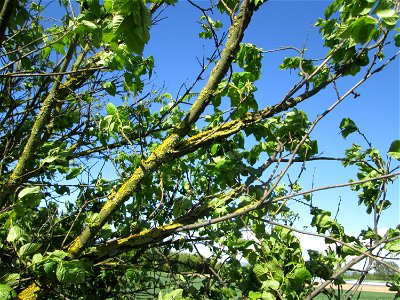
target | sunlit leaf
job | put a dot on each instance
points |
(347, 126)
(5, 291)
(15, 233)
(394, 150)
(28, 249)
(111, 109)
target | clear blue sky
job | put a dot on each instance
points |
(175, 45)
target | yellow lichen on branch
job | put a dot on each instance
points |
(30, 293)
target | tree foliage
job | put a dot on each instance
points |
(105, 178)
(385, 272)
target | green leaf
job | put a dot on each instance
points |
(50, 268)
(71, 272)
(88, 26)
(322, 220)
(116, 23)
(214, 149)
(258, 3)
(29, 192)
(302, 275)
(57, 254)
(392, 21)
(261, 272)
(220, 161)
(37, 258)
(270, 284)
(394, 150)
(347, 126)
(363, 29)
(49, 159)
(108, 5)
(28, 249)
(268, 296)
(73, 173)
(46, 52)
(29, 197)
(174, 295)
(397, 39)
(134, 42)
(10, 279)
(384, 10)
(347, 251)
(333, 7)
(5, 291)
(110, 88)
(111, 109)
(254, 295)
(59, 47)
(393, 246)
(15, 233)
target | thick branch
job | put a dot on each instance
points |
(37, 129)
(5, 16)
(59, 91)
(208, 137)
(188, 221)
(163, 153)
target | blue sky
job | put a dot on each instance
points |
(175, 45)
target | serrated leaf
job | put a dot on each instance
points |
(28, 249)
(57, 254)
(111, 109)
(10, 279)
(220, 161)
(261, 272)
(5, 291)
(394, 150)
(302, 275)
(362, 29)
(46, 52)
(116, 23)
(71, 272)
(384, 13)
(108, 5)
(134, 43)
(270, 284)
(393, 246)
(160, 296)
(50, 268)
(390, 21)
(29, 197)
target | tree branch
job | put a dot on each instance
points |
(7, 11)
(163, 152)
